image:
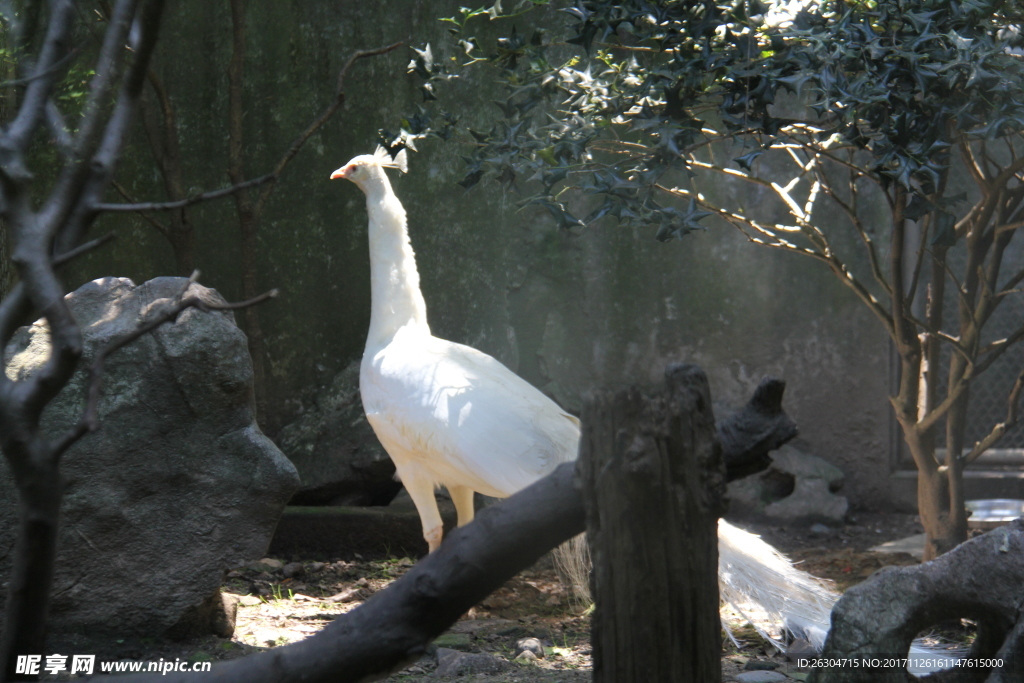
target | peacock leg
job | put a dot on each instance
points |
(463, 499)
(422, 493)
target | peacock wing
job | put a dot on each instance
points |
(466, 416)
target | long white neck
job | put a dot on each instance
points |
(396, 300)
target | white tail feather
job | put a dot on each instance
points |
(751, 572)
(762, 585)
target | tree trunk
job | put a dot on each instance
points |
(248, 220)
(28, 588)
(247, 225)
(652, 477)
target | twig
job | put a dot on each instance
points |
(194, 199)
(318, 122)
(64, 257)
(38, 91)
(89, 420)
(53, 68)
(1001, 428)
(160, 227)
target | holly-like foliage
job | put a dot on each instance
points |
(652, 84)
(898, 122)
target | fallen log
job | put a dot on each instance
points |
(761, 426)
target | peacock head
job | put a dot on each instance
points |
(365, 169)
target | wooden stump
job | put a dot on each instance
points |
(653, 483)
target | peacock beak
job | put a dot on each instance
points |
(340, 173)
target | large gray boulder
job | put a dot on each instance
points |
(797, 488)
(177, 484)
(339, 458)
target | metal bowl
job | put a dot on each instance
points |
(994, 512)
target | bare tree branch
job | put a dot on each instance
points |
(974, 167)
(75, 175)
(865, 238)
(52, 70)
(59, 131)
(141, 207)
(993, 351)
(1002, 427)
(318, 122)
(162, 228)
(67, 256)
(115, 131)
(38, 91)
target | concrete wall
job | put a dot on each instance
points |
(568, 311)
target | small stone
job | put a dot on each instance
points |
(293, 569)
(233, 574)
(553, 600)
(314, 567)
(496, 602)
(800, 649)
(820, 529)
(760, 677)
(249, 600)
(530, 645)
(526, 657)
(347, 595)
(455, 663)
(271, 563)
(758, 665)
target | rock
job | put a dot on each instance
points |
(760, 677)
(268, 563)
(800, 649)
(176, 486)
(758, 665)
(293, 569)
(526, 657)
(455, 663)
(820, 529)
(216, 614)
(347, 595)
(530, 645)
(981, 579)
(339, 459)
(797, 488)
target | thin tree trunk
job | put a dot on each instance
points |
(653, 481)
(248, 221)
(166, 147)
(35, 555)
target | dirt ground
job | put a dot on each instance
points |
(283, 600)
